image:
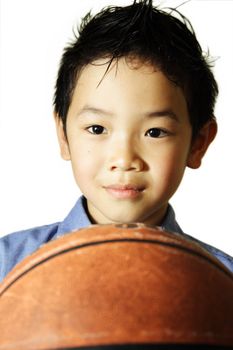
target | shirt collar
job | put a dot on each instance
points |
(169, 222)
(78, 218)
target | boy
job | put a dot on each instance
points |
(134, 106)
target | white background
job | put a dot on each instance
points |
(36, 186)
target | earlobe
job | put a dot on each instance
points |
(62, 139)
(201, 143)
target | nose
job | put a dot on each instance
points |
(124, 156)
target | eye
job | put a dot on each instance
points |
(96, 129)
(156, 133)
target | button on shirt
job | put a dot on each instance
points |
(16, 246)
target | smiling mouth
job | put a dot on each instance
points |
(124, 191)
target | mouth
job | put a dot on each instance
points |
(124, 191)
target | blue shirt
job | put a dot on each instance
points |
(16, 246)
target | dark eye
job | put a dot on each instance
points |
(96, 129)
(155, 132)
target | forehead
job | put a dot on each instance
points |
(117, 72)
(126, 85)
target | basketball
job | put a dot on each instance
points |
(110, 286)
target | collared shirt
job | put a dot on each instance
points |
(16, 246)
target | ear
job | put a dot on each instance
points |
(201, 143)
(62, 139)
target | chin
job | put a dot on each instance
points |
(124, 219)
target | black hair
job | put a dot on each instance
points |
(165, 39)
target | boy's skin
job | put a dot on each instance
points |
(129, 139)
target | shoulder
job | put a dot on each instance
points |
(226, 259)
(169, 223)
(223, 257)
(16, 246)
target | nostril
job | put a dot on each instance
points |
(133, 166)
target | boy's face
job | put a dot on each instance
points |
(128, 138)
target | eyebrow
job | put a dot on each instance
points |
(163, 113)
(90, 109)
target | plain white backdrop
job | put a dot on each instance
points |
(36, 186)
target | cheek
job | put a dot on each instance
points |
(169, 167)
(84, 164)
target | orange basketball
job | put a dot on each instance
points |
(128, 286)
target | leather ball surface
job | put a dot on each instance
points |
(113, 285)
